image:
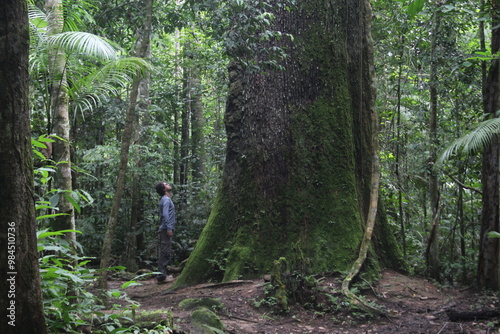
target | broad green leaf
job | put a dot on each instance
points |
(52, 215)
(493, 234)
(415, 7)
(36, 143)
(73, 202)
(45, 233)
(130, 283)
(75, 42)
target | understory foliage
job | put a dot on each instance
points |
(70, 302)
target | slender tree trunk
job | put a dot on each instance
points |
(296, 181)
(135, 215)
(185, 127)
(59, 106)
(142, 47)
(197, 123)
(432, 253)
(397, 168)
(177, 103)
(489, 250)
(21, 302)
(484, 65)
(137, 206)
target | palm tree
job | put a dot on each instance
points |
(74, 71)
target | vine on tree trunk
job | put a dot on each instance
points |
(374, 190)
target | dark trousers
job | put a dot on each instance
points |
(165, 252)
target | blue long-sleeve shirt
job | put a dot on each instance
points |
(167, 214)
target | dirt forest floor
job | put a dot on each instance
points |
(413, 305)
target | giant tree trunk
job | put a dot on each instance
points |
(59, 106)
(21, 301)
(489, 251)
(296, 183)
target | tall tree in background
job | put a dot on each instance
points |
(136, 211)
(22, 308)
(489, 253)
(59, 106)
(432, 253)
(296, 182)
(142, 47)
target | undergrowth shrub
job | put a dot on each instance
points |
(69, 305)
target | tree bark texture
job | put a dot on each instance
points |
(59, 106)
(489, 250)
(296, 181)
(21, 301)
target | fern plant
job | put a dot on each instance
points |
(474, 141)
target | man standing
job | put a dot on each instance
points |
(166, 229)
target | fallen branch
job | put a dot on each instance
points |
(224, 284)
(239, 318)
(472, 316)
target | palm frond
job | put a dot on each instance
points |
(83, 43)
(108, 80)
(474, 141)
(36, 17)
(38, 26)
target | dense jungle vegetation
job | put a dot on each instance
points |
(127, 93)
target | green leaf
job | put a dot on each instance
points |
(36, 143)
(130, 283)
(474, 141)
(39, 154)
(415, 7)
(39, 207)
(46, 233)
(83, 42)
(73, 202)
(52, 215)
(493, 234)
(45, 139)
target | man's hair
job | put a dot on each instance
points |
(160, 188)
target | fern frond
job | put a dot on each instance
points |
(474, 141)
(77, 42)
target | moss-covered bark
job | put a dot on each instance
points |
(297, 173)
